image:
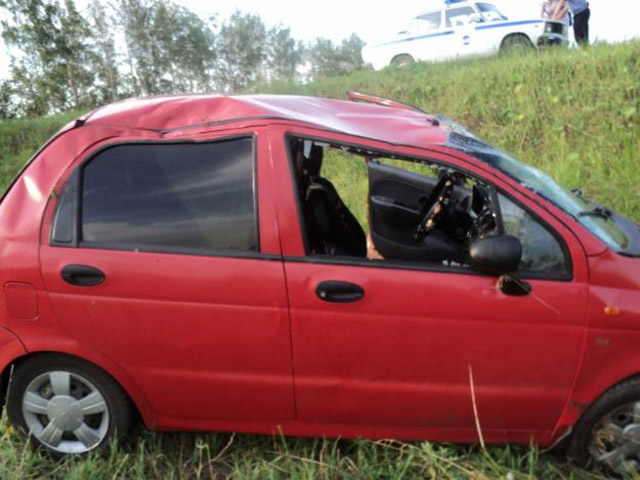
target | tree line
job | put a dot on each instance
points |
(62, 58)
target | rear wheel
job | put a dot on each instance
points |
(402, 61)
(608, 435)
(516, 43)
(67, 406)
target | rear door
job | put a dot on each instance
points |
(163, 258)
(462, 21)
(428, 40)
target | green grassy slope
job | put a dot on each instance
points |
(575, 114)
(20, 139)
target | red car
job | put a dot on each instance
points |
(189, 261)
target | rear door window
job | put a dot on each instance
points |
(427, 22)
(196, 197)
(457, 17)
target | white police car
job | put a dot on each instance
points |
(461, 29)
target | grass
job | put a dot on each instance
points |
(19, 140)
(205, 456)
(575, 114)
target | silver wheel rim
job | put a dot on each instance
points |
(65, 412)
(615, 439)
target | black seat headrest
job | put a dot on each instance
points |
(307, 160)
(313, 162)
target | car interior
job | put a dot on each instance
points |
(414, 211)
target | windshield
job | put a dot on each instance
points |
(595, 220)
(490, 12)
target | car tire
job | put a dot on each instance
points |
(608, 434)
(67, 406)
(402, 61)
(516, 43)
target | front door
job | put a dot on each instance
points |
(172, 271)
(405, 351)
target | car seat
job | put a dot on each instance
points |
(331, 227)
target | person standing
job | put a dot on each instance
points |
(581, 15)
(555, 10)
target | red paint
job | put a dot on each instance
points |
(21, 300)
(244, 344)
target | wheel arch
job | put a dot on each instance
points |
(512, 35)
(580, 404)
(141, 406)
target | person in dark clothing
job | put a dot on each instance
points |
(581, 15)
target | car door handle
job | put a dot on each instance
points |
(82, 275)
(339, 292)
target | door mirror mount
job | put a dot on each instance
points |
(514, 287)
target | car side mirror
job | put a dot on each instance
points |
(476, 18)
(497, 255)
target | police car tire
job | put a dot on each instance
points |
(516, 42)
(402, 60)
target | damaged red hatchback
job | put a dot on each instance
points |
(316, 267)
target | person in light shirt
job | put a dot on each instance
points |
(581, 14)
(555, 10)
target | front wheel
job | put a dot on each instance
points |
(608, 435)
(402, 61)
(67, 406)
(516, 43)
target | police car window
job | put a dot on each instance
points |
(428, 22)
(490, 12)
(460, 16)
(174, 197)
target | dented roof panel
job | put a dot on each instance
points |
(392, 125)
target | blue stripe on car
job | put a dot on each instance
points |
(508, 24)
(431, 35)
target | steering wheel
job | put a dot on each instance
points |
(438, 201)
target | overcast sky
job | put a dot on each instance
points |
(336, 19)
(611, 20)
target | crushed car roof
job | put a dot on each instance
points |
(404, 126)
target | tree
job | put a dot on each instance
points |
(77, 56)
(170, 48)
(136, 18)
(351, 53)
(284, 54)
(7, 107)
(52, 68)
(186, 48)
(106, 71)
(241, 52)
(328, 59)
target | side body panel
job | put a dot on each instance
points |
(21, 213)
(204, 337)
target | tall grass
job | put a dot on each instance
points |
(182, 456)
(575, 114)
(20, 139)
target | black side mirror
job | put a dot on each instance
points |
(498, 255)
